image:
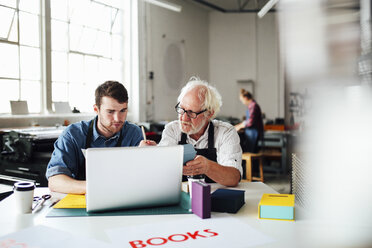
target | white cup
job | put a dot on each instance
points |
(190, 180)
(24, 195)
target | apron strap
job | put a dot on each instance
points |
(211, 135)
(89, 138)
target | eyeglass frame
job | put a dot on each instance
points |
(188, 112)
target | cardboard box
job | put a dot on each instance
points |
(277, 207)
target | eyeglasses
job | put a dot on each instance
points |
(190, 114)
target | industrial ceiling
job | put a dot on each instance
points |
(233, 6)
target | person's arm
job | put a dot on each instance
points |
(240, 126)
(229, 156)
(63, 166)
(65, 184)
(224, 175)
(252, 115)
(170, 135)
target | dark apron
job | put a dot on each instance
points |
(88, 142)
(210, 152)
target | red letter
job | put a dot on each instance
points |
(137, 244)
(11, 243)
(176, 240)
(149, 241)
(193, 236)
(214, 233)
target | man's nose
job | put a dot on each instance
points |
(184, 117)
(116, 117)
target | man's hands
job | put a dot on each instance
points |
(147, 143)
(200, 165)
(224, 175)
(239, 126)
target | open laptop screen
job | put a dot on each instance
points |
(133, 177)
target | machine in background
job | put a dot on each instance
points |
(25, 154)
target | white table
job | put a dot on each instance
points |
(300, 233)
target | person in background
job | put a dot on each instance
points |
(253, 124)
(217, 143)
(66, 168)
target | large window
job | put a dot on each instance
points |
(86, 40)
(86, 48)
(20, 66)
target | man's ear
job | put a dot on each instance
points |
(95, 108)
(210, 114)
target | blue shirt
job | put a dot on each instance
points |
(67, 156)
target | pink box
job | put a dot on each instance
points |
(201, 199)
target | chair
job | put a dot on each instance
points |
(249, 157)
(260, 156)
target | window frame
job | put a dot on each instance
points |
(45, 46)
(19, 46)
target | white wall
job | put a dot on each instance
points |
(220, 48)
(243, 47)
(188, 30)
(232, 57)
(270, 76)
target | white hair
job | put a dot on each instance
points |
(207, 94)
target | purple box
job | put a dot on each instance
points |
(201, 199)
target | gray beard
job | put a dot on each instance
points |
(193, 130)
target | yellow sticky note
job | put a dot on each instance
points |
(72, 201)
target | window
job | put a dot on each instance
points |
(20, 66)
(86, 49)
(86, 38)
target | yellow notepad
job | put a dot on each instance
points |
(72, 201)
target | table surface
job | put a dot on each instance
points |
(299, 233)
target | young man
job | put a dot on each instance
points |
(66, 169)
(217, 143)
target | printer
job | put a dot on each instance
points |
(25, 153)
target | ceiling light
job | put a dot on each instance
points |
(266, 8)
(165, 4)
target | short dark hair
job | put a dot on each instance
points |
(112, 89)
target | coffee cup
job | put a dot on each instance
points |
(24, 195)
(190, 180)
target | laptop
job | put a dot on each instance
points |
(133, 177)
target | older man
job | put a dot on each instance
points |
(217, 143)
